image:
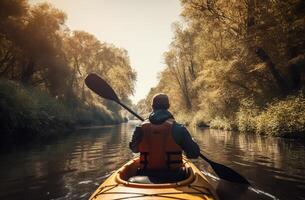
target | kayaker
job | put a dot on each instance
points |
(160, 139)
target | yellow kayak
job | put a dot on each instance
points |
(118, 185)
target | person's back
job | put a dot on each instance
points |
(158, 149)
(160, 139)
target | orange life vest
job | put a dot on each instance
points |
(158, 150)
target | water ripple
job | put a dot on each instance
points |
(73, 167)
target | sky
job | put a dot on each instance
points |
(142, 27)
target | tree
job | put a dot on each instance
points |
(38, 50)
(229, 52)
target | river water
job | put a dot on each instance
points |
(73, 167)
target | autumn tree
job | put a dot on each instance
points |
(226, 53)
(86, 54)
(39, 50)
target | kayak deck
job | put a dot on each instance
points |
(194, 187)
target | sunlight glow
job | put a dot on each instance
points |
(142, 27)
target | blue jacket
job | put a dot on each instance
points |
(180, 134)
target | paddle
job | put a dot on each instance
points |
(103, 89)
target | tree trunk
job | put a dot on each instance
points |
(185, 91)
(296, 68)
(280, 80)
(250, 15)
(27, 72)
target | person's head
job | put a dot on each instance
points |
(160, 101)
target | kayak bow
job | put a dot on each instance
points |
(195, 186)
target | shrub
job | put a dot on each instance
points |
(199, 119)
(26, 112)
(222, 123)
(246, 116)
(184, 118)
(92, 115)
(283, 117)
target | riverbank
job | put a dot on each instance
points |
(29, 114)
(282, 118)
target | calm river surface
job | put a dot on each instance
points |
(73, 167)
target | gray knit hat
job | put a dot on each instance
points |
(160, 101)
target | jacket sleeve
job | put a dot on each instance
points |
(189, 146)
(136, 139)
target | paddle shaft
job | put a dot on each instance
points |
(204, 158)
(104, 90)
(131, 111)
(142, 119)
(221, 170)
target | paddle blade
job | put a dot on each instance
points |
(101, 87)
(228, 174)
(225, 172)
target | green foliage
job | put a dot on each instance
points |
(199, 119)
(91, 115)
(230, 60)
(49, 64)
(246, 116)
(280, 118)
(222, 123)
(283, 117)
(184, 118)
(27, 112)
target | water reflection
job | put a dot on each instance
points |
(73, 167)
(274, 165)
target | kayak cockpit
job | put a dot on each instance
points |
(120, 186)
(129, 175)
(157, 177)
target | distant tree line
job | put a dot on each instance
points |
(38, 50)
(238, 65)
